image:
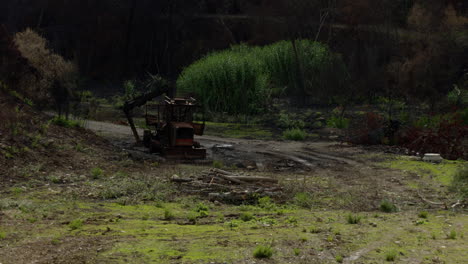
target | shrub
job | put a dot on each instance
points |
(353, 219)
(201, 207)
(460, 182)
(391, 255)
(338, 122)
(452, 234)
(63, 122)
(246, 216)
(263, 252)
(423, 214)
(2, 235)
(296, 251)
(96, 173)
(339, 258)
(217, 164)
(387, 207)
(50, 67)
(303, 199)
(168, 214)
(266, 203)
(75, 224)
(295, 134)
(227, 81)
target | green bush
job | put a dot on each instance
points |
(295, 134)
(423, 214)
(452, 234)
(218, 164)
(63, 122)
(168, 214)
(460, 182)
(303, 199)
(263, 252)
(227, 81)
(387, 207)
(96, 173)
(338, 122)
(75, 224)
(391, 255)
(246, 216)
(353, 219)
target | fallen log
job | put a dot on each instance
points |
(229, 175)
(254, 179)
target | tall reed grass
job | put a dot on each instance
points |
(243, 79)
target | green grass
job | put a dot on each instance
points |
(75, 224)
(67, 123)
(168, 214)
(391, 255)
(303, 200)
(97, 173)
(263, 252)
(423, 214)
(387, 206)
(218, 164)
(295, 134)
(232, 130)
(246, 216)
(339, 258)
(459, 182)
(353, 219)
(452, 234)
(443, 172)
(338, 122)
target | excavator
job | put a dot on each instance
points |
(171, 127)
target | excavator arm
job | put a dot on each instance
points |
(161, 88)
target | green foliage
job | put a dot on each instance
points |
(303, 199)
(423, 214)
(460, 182)
(135, 189)
(336, 121)
(452, 234)
(315, 230)
(263, 252)
(201, 207)
(130, 90)
(63, 122)
(243, 79)
(296, 252)
(458, 96)
(391, 255)
(2, 235)
(227, 81)
(339, 258)
(288, 120)
(295, 134)
(266, 203)
(96, 173)
(168, 214)
(75, 224)
(387, 207)
(353, 219)
(246, 216)
(218, 164)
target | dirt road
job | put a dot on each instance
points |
(247, 152)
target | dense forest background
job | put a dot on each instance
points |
(420, 47)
